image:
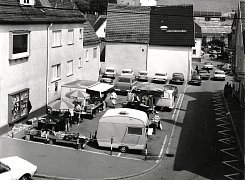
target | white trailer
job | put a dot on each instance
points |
(123, 128)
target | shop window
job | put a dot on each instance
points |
(19, 104)
(194, 51)
(70, 39)
(56, 70)
(56, 38)
(19, 44)
(69, 68)
(134, 130)
(95, 53)
(80, 33)
(79, 62)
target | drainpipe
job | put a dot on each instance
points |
(47, 67)
(147, 49)
(189, 64)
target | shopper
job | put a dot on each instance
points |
(114, 98)
(67, 116)
(226, 89)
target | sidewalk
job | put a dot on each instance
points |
(237, 114)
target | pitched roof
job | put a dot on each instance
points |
(65, 11)
(89, 36)
(202, 5)
(101, 19)
(127, 23)
(198, 31)
(180, 25)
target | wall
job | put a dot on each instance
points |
(126, 55)
(16, 75)
(198, 45)
(169, 59)
(148, 2)
(62, 54)
(101, 31)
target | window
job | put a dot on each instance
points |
(19, 105)
(86, 54)
(194, 51)
(135, 130)
(81, 33)
(56, 69)
(56, 41)
(95, 53)
(69, 68)
(27, 2)
(79, 62)
(19, 44)
(70, 38)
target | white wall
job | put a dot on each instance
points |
(148, 2)
(126, 55)
(198, 45)
(101, 31)
(16, 75)
(169, 59)
(62, 54)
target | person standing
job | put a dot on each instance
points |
(114, 98)
(226, 89)
(67, 116)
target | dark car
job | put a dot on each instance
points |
(177, 78)
(204, 74)
(195, 79)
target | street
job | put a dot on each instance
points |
(187, 147)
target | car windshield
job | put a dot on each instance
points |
(160, 74)
(196, 77)
(110, 70)
(177, 75)
(202, 72)
(219, 72)
(143, 73)
(208, 63)
(126, 71)
(123, 79)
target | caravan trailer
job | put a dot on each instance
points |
(123, 128)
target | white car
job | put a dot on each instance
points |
(160, 77)
(143, 76)
(110, 72)
(16, 168)
(127, 72)
(208, 65)
(219, 75)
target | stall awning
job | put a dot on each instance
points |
(101, 87)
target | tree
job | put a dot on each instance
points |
(83, 5)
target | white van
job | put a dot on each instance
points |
(123, 128)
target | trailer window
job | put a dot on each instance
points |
(134, 130)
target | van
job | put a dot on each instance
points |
(123, 128)
(125, 83)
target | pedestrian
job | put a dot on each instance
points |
(29, 106)
(67, 116)
(197, 70)
(114, 98)
(226, 89)
(229, 89)
(77, 111)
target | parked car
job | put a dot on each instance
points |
(177, 78)
(16, 168)
(204, 74)
(106, 80)
(195, 79)
(171, 87)
(110, 72)
(208, 65)
(160, 77)
(219, 75)
(125, 83)
(142, 76)
(127, 72)
(226, 67)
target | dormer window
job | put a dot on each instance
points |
(27, 2)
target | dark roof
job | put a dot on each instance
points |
(198, 31)
(242, 10)
(101, 19)
(11, 12)
(180, 25)
(127, 23)
(89, 36)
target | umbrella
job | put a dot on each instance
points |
(61, 105)
(78, 95)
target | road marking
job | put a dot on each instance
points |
(231, 161)
(228, 149)
(229, 176)
(161, 151)
(119, 154)
(175, 109)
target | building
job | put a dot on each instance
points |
(42, 47)
(156, 39)
(196, 50)
(138, 2)
(238, 35)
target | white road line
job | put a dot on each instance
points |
(119, 154)
(163, 145)
(175, 109)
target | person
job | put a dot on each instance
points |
(197, 69)
(29, 106)
(67, 116)
(77, 111)
(229, 90)
(114, 98)
(226, 89)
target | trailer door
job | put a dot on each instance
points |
(132, 135)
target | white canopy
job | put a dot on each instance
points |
(101, 87)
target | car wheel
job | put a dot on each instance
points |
(25, 177)
(123, 149)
